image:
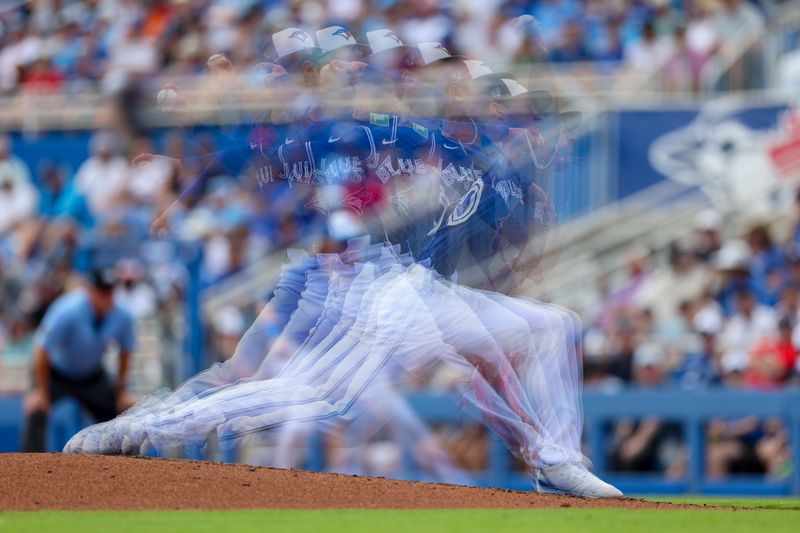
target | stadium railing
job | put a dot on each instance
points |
(691, 410)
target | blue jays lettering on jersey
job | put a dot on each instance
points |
(476, 194)
(398, 151)
(377, 154)
(380, 159)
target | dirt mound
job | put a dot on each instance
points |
(56, 481)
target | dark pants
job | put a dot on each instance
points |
(94, 392)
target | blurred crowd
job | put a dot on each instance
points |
(723, 312)
(81, 45)
(57, 223)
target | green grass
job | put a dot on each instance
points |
(790, 504)
(384, 521)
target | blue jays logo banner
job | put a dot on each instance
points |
(727, 150)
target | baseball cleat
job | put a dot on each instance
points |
(75, 444)
(575, 480)
(134, 437)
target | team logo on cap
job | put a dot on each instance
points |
(299, 34)
(441, 47)
(341, 32)
(393, 35)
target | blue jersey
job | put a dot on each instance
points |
(477, 192)
(376, 168)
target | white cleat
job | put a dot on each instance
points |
(75, 444)
(135, 435)
(576, 480)
(110, 441)
(146, 448)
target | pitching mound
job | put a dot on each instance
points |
(56, 481)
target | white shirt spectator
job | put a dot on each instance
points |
(18, 200)
(18, 197)
(149, 181)
(741, 333)
(101, 179)
(648, 56)
(701, 36)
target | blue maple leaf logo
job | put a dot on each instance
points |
(299, 35)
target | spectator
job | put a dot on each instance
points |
(731, 447)
(12, 167)
(648, 445)
(228, 327)
(68, 362)
(649, 365)
(698, 369)
(764, 255)
(58, 199)
(701, 33)
(733, 274)
(650, 53)
(708, 235)
(683, 68)
(17, 194)
(43, 77)
(134, 292)
(571, 47)
(751, 323)
(772, 359)
(685, 280)
(624, 345)
(103, 178)
(554, 16)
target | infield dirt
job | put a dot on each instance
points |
(57, 481)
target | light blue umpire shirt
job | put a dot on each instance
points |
(75, 341)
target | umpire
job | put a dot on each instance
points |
(68, 358)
